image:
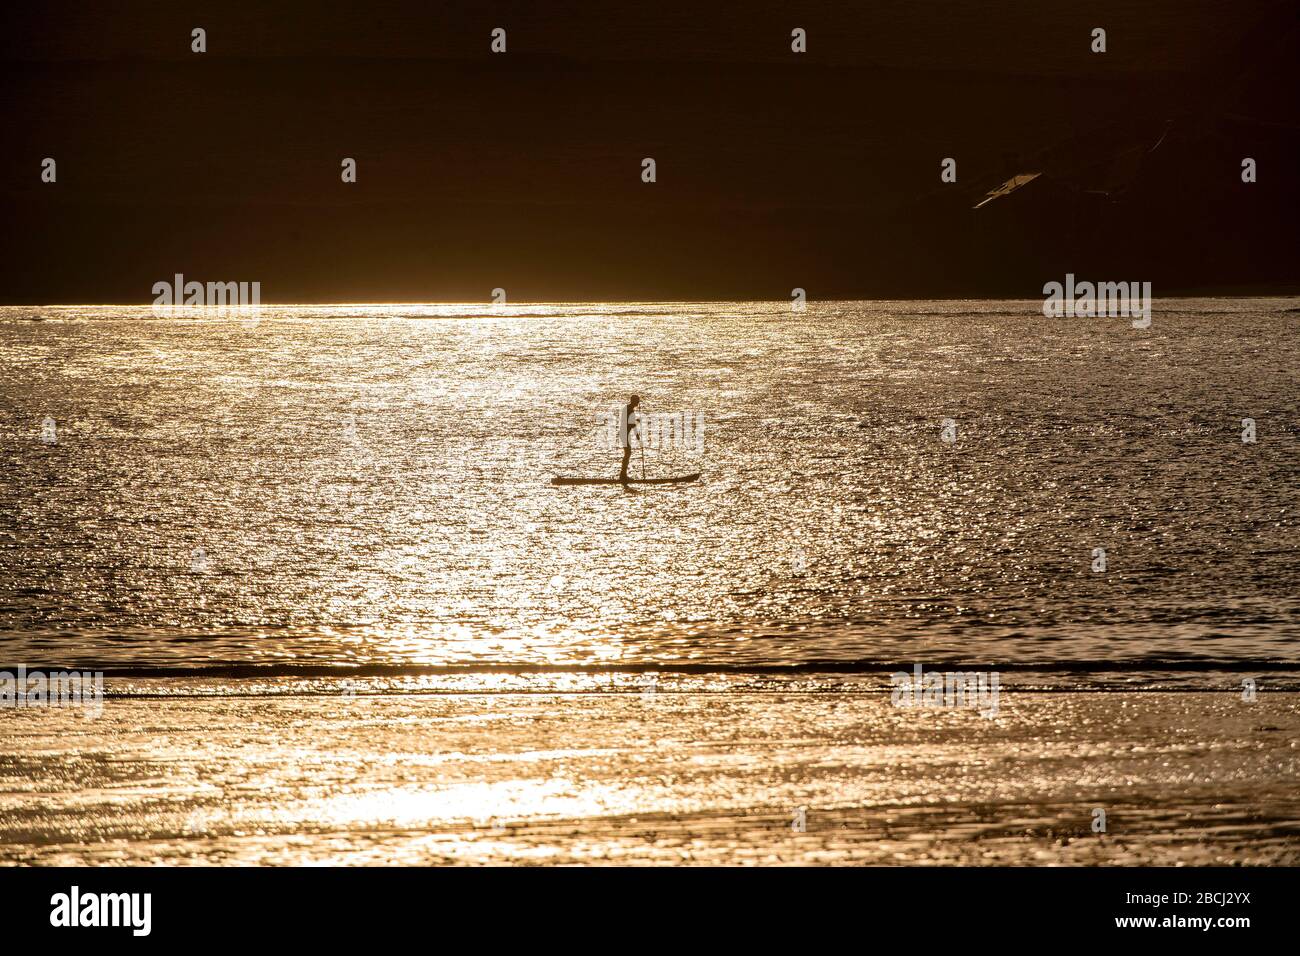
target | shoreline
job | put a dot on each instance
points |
(687, 777)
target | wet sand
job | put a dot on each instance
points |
(1192, 778)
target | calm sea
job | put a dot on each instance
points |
(341, 485)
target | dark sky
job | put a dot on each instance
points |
(522, 170)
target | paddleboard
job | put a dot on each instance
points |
(676, 480)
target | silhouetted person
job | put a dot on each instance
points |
(629, 427)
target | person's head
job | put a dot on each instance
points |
(635, 401)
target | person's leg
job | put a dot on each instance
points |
(627, 456)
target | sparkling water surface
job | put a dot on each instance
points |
(371, 484)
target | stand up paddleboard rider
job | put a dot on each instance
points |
(629, 430)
